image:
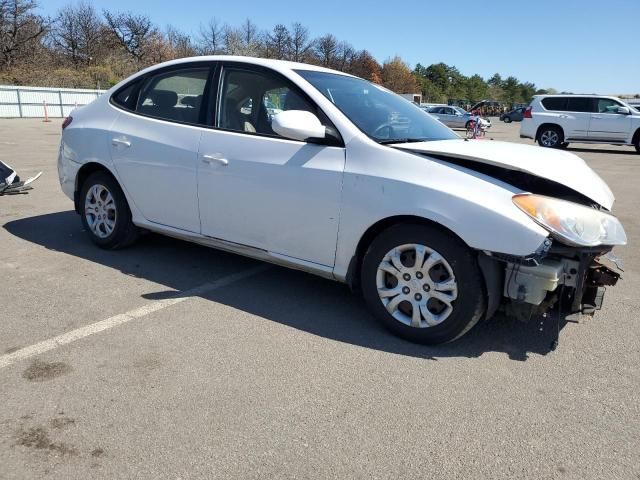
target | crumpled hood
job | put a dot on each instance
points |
(555, 165)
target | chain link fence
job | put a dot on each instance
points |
(29, 102)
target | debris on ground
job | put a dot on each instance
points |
(10, 182)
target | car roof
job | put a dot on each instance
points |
(278, 65)
(562, 95)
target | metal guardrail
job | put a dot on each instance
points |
(31, 102)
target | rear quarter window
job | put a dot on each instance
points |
(555, 103)
(127, 96)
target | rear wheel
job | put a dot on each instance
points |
(105, 213)
(422, 283)
(637, 143)
(507, 119)
(551, 137)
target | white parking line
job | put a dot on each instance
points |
(82, 332)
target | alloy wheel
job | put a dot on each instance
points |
(100, 211)
(549, 138)
(416, 285)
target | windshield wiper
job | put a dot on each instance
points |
(401, 140)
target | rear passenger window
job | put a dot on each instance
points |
(580, 104)
(555, 103)
(175, 95)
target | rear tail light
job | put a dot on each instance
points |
(527, 112)
(67, 121)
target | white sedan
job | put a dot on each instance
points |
(346, 180)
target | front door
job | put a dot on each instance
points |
(607, 123)
(259, 189)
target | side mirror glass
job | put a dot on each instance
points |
(297, 125)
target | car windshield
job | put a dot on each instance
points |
(378, 112)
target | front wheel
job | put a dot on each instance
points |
(422, 283)
(507, 119)
(637, 143)
(105, 212)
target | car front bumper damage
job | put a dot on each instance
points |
(568, 280)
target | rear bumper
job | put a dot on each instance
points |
(67, 171)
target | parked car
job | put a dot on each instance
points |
(513, 116)
(557, 120)
(350, 182)
(456, 117)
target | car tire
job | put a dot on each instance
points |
(551, 137)
(105, 212)
(507, 119)
(467, 125)
(637, 143)
(448, 290)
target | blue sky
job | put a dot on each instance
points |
(588, 46)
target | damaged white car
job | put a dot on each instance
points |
(348, 181)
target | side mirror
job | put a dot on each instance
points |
(297, 125)
(624, 110)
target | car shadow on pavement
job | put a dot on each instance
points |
(296, 299)
(628, 151)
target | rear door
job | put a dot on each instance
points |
(154, 146)
(578, 117)
(607, 123)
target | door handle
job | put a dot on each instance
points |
(596, 117)
(215, 158)
(120, 142)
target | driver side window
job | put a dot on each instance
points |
(606, 105)
(249, 100)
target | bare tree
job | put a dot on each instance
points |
(326, 48)
(20, 28)
(250, 38)
(211, 38)
(232, 41)
(180, 43)
(301, 46)
(77, 33)
(344, 56)
(131, 31)
(279, 43)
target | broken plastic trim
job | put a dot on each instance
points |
(10, 183)
(530, 260)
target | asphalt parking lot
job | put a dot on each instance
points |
(170, 360)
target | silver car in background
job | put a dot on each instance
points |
(455, 117)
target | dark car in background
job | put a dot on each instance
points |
(515, 115)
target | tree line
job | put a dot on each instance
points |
(80, 46)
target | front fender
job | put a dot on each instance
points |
(477, 208)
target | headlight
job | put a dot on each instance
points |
(572, 223)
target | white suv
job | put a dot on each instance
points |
(555, 120)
